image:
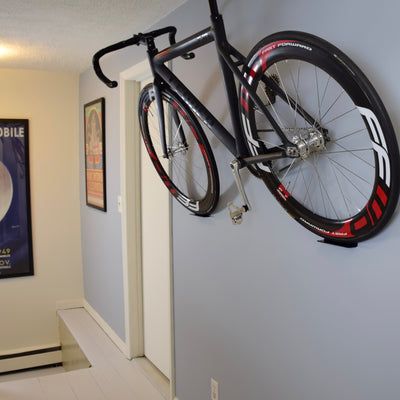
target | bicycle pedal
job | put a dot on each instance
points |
(236, 213)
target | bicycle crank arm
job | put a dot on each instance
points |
(236, 213)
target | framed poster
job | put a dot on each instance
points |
(95, 159)
(16, 255)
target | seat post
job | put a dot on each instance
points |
(213, 8)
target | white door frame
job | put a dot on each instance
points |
(130, 144)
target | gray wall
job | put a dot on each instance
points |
(263, 308)
(101, 232)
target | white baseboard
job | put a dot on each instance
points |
(107, 329)
(155, 376)
(15, 360)
(26, 349)
(68, 304)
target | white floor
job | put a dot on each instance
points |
(112, 376)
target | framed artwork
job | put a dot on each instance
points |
(16, 254)
(95, 154)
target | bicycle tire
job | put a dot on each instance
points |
(178, 172)
(354, 222)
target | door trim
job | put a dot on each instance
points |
(130, 164)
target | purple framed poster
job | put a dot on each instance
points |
(16, 255)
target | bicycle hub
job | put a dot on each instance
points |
(306, 144)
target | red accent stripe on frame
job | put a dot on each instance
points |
(243, 102)
(283, 190)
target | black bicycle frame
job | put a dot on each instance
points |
(230, 60)
(230, 68)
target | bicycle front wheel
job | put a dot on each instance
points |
(344, 183)
(188, 168)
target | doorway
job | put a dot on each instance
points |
(156, 258)
(147, 243)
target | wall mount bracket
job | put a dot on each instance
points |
(346, 245)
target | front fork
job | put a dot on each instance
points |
(162, 123)
(161, 117)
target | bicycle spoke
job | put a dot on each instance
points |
(320, 188)
(288, 166)
(348, 151)
(328, 181)
(296, 90)
(355, 155)
(352, 172)
(291, 165)
(273, 109)
(333, 104)
(192, 163)
(340, 116)
(157, 139)
(283, 85)
(177, 131)
(355, 207)
(183, 170)
(323, 186)
(179, 162)
(325, 90)
(319, 101)
(350, 181)
(307, 190)
(297, 177)
(340, 188)
(331, 183)
(349, 134)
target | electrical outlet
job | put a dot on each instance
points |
(214, 389)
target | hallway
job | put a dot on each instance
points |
(111, 377)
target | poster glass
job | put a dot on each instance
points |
(16, 256)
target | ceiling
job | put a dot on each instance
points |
(64, 34)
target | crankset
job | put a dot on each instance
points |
(235, 212)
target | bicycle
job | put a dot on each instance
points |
(305, 120)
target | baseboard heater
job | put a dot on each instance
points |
(29, 360)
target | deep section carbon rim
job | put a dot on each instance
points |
(189, 170)
(341, 184)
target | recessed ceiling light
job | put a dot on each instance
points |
(4, 51)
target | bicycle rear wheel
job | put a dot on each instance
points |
(189, 171)
(346, 187)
